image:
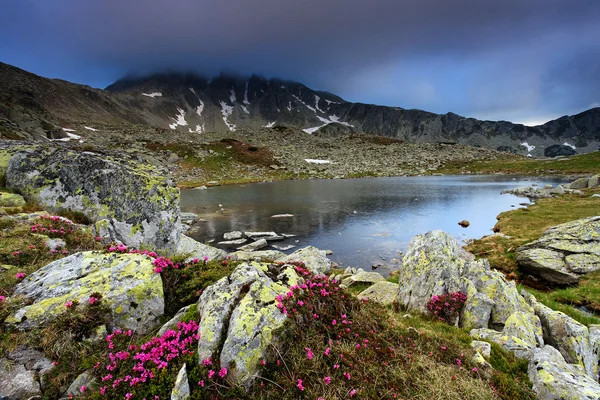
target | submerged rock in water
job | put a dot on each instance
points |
(127, 283)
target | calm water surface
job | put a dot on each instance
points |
(363, 221)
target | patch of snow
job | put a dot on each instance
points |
(200, 108)
(245, 110)
(528, 146)
(232, 95)
(153, 94)
(227, 110)
(312, 130)
(269, 125)
(317, 99)
(193, 91)
(246, 95)
(73, 136)
(199, 129)
(315, 161)
(179, 119)
(283, 86)
(289, 107)
(305, 105)
(91, 129)
(570, 145)
(329, 102)
(68, 130)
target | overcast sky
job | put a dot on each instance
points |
(524, 61)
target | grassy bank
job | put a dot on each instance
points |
(581, 164)
(528, 224)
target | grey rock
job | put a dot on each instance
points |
(483, 348)
(313, 258)
(132, 203)
(282, 216)
(233, 242)
(193, 249)
(581, 183)
(435, 264)
(16, 382)
(594, 181)
(261, 255)
(181, 389)
(235, 235)
(240, 317)
(363, 277)
(257, 245)
(382, 292)
(127, 283)
(564, 252)
(554, 379)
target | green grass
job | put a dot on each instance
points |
(581, 164)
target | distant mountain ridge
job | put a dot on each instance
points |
(188, 102)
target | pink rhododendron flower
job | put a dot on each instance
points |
(20, 275)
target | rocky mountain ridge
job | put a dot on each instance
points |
(192, 104)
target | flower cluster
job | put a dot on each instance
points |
(447, 307)
(129, 365)
(52, 226)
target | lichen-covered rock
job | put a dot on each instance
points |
(127, 283)
(483, 348)
(564, 252)
(581, 183)
(382, 292)
(515, 345)
(137, 204)
(239, 317)
(314, 259)
(362, 277)
(554, 379)
(435, 264)
(181, 389)
(11, 200)
(568, 336)
(548, 264)
(193, 249)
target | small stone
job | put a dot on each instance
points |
(484, 348)
(257, 245)
(233, 235)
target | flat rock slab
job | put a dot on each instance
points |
(259, 244)
(564, 252)
(235, 235)
(363, 277)
(260, 255)
(233, 242)
(193, 249)
(382, 292)
(127, 283)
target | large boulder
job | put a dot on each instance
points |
(554, 379)
(132, 202)
(239, 317)
(127, 283)
(435, 264)
(564, 253)
(314, 259)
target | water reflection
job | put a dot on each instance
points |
(360, 220)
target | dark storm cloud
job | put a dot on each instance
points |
(513, 59)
